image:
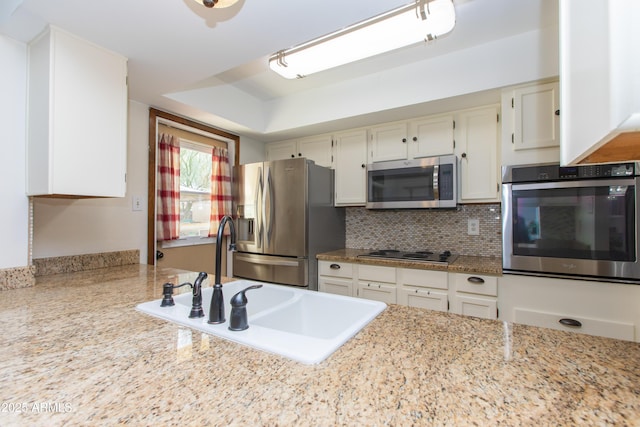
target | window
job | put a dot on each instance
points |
(195, 186)
(195, 189)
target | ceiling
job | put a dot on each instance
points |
(211, 64)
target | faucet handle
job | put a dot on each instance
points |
(238, 321)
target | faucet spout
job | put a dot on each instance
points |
(216, 311)
(232, 246)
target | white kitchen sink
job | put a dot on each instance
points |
(302, 325)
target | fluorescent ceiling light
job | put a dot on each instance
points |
(406, 25)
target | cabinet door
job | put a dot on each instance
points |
(536, 123)
(317, 148)
(388, 142)
(384, 292)
(77, 126)
(486, 308)
(477, 152)
(604, 309)
(430, 299)
(600, 75)
(431, 136)
(337, 286)
(281, 150)
(350, 168)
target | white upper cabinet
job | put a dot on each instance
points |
(431, 136)
(388, 142)
(350, 150)
(316, 148)
(77, 118)
(599, 73)
(282, 150)
(536, 117)
(531, 124)
(423, 137)
(477, 152)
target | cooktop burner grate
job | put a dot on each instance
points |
(445, 257)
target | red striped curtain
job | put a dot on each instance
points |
(168, 205)
(221, 197)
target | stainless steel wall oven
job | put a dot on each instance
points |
(577, 221)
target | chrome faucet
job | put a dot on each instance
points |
(216, 310)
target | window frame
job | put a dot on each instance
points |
(157, 117)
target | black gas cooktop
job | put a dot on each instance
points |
(445, 257)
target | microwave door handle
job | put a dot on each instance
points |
(436, 189)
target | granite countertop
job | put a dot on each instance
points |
(463, 264)
(75, 352)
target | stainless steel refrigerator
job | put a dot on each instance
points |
(285, 218)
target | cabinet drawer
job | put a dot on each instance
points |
(336, 286)
(476, 284)
(487, 308)
(423, 298)
(335, 269)
(377, 273)
(423, 278)
(377, 291)
(604, 328)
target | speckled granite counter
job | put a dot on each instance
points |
(75, 352)
(463, 264)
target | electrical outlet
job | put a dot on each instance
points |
(136, 203)
(473, 227)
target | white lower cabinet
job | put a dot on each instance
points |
(595, 308)
(336, 278)
(474, 295)
(377, 283)
(423, 289)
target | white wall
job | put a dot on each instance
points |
(14, 215)
(251, 151)
(72, 227)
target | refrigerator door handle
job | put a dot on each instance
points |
(269, 198)
(282, 263)
(259, 207)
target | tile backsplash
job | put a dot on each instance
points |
(426, 229)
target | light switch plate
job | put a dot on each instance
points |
(136, 203)
(473, 227)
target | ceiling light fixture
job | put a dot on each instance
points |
(415, 22)
(218, 4)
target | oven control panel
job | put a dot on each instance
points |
(555, 172)
(597, 171)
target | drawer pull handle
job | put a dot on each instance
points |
(570, 322)
(335, 266)
(475, 280)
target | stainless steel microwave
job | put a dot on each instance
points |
(409, 184)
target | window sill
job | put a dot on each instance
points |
(188, 241)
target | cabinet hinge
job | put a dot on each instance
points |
(447, 305)
(125, 177)
(513, 139)
(497, 313)
(497, 187)
(498, 118)
(454, 124)
(454, 143)
(512, 103)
